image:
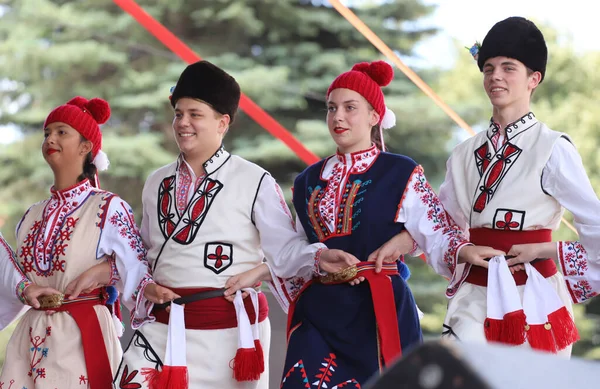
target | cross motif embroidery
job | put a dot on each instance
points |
(508, 223)
(508, 219)
(218, 257)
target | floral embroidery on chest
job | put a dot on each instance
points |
(331, 209)
(185, 183)
(44, 248)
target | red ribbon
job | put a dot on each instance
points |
(384, 306)
(174, 44)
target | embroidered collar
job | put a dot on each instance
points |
(73, 194)
(359, 161)
(514, 128)
(213, 164)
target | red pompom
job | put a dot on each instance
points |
(99, 109)
(361, 67)
(380, 71)
(78, 101)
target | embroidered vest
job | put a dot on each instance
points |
(367, 209)
(501, 189)
(215, 237)
(56, 262)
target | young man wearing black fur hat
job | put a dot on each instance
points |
(208, 216)
(507, 186)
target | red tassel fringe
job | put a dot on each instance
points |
(493, 329)
(170, 377)
(509, 330)
(540, 338)
(563, 327)
(247, 365)
(260, 354)
(513, 331)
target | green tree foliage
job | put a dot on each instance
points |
(284, 54)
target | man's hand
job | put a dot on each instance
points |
(392, 250)
(93, 278)
(476, 255)
(247, 279)
(159, 294)
(525, 253)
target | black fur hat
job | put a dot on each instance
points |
(204, 81)
(517, 38)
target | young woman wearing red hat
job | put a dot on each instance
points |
(507, 186)
(362, 200)
(69, 246)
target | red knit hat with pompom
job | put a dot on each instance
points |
(367, 79)
(85, 116)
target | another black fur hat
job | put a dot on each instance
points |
(204, 81)
(517, 38)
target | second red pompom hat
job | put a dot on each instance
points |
(85, 116)
(367, 79)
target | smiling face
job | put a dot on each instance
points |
(508, 83)
(350, 119)
(64, 147)
(197, 127)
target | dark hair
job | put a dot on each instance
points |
(376, 136)
(89, 169)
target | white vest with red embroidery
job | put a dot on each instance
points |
(215, 237)
(501, 189)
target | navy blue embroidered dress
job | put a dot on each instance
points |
(348, 202)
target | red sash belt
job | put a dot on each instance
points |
(94, 349)
(213, 313)
(504, 240)
(383, 302)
